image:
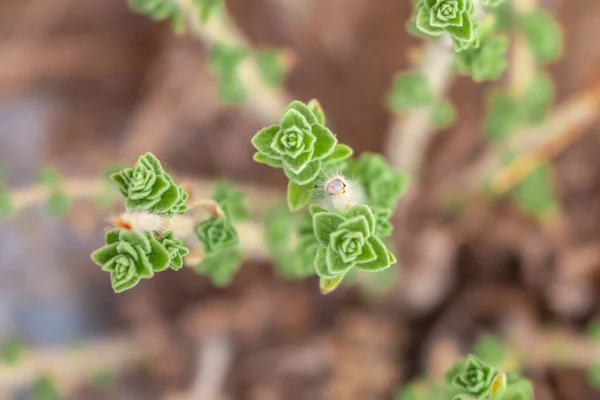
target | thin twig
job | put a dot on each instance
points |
(409, 136)
(71, 367)
(250, 232)
(214, 361)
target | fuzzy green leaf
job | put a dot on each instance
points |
(318, 111)
(270, 67)
(50, 178)
(521, 390)
(324, 224)
(57, 204)
(221, 267)
(307, 175)
(216, 234)
(233, 199)
(492, 3)
(326, 141)
(365, 212)
(207, 8)
(11, 350)
(382, 261)
(410, 90)
(339, 154)
(537, 99)
(303, 109)
(498, 387)
(486, 62)
(328, 285)
(298, 196)
(442, 113)
(503, 116)
(543, 35)
(535, 194)
(168, 252)
(6, 202)
(43, 388)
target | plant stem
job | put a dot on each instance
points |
(409, 136)
(268, 102)
(72, 367)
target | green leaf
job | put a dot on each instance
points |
(6, 203)
(593, 330)
(307, 175)
(382, 261)
(367, 213)
(339, 154)
(159, 256)
(537, 99)
(227, 195)
(490, 350)
(326, 141)
(535, 194)
(44, 389)
(521, 390)
(486, 62)
(221, 267)
(50, 178)
(503, 116)
(303, 109)
(324, 224)
(298, 196)
(272, 162)
(264, 138)
(313, 209)
(442, 113)
(543, 35)
(328, 285)
(357, 224)
(492, 3)
(216, 234)
(11, 350)
(207, 8)
(57, 204)
(498, 387)
(160, 10)
(270, 67)
(410, 90)
(383, 226)
(318, 111)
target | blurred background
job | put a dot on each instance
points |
(86, 84)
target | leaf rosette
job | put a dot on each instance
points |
(129, 257)
(435, 17)
(216, 234)
(148, 187)
(475, 378)
(347, 241)
(176, 249)
(299, 144)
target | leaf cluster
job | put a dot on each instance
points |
(130, 256)
(219, 238)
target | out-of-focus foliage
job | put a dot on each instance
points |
(543, 35)
(410, 90)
